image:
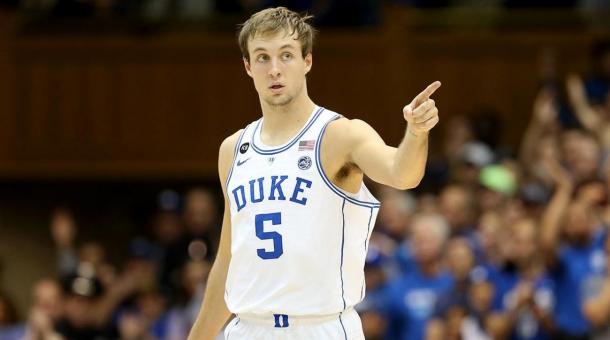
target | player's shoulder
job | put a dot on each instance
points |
(347, 130)
(350, 124)
(226, 154)
(227, 147)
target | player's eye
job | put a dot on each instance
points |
(261, 58)
(286, 56)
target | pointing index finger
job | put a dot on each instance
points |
(425, 94)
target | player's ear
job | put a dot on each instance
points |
(308, 62)
(247, 67)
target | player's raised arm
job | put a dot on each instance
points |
(214, 313)
(401, 167)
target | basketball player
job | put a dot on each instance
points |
(297, 215)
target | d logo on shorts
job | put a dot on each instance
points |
(281, 320)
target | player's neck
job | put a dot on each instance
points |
(282, 122)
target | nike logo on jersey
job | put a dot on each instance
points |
(242, 162)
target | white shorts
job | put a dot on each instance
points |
(344, 326)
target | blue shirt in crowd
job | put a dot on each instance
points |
(576, 274)
(410, 302)
(526, 326)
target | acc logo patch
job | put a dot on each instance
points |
(244, 147)
(304, 163)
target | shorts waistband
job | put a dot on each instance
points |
(284, 321)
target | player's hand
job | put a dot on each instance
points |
(421, 114)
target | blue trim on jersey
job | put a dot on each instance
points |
(368, 232)
(342, 244)
(366, 243)
(291, 143)
(342, 327)
(232, 327)
(362, 290)
(237, 145)
(235, 156)
(328, 181)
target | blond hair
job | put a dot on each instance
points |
(275, 20)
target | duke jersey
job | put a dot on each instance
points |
(298, 242)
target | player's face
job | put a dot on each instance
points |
(277, 67)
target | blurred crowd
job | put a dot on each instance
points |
(496, 244)
(501, 244)
(153, 294)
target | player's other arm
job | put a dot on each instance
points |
(214, 312)
(402, 167)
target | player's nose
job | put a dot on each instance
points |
(274, 70)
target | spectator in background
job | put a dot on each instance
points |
(46, 310)
(488, 239)
(201, 220)
(167, 230)
(47, 296)
(201, 233)
(458, 206)
(396, 213)
(451, 307)
(533, 197)
(391, 231)
(71, 258)
(463, 312)
(480, 322)
(150, 308)
(371, 308)
(581, 155)
(497, 186)
(79, 322)
(63, 233)
(597, 306)
(523, 291)
(593, 114)
(576, 262)
(457, 133)
(134, 300)
(473, 157)
(410, 300)
(10, 328)
(540, 138)
(182, 316)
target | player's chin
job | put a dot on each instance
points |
(280, 100)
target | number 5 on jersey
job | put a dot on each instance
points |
(278, 250)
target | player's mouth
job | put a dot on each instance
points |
(276, 88)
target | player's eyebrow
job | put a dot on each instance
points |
(285, 46)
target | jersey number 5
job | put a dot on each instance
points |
(278, 250)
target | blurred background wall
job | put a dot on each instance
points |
(78, 103)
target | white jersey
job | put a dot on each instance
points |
(298, 242)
